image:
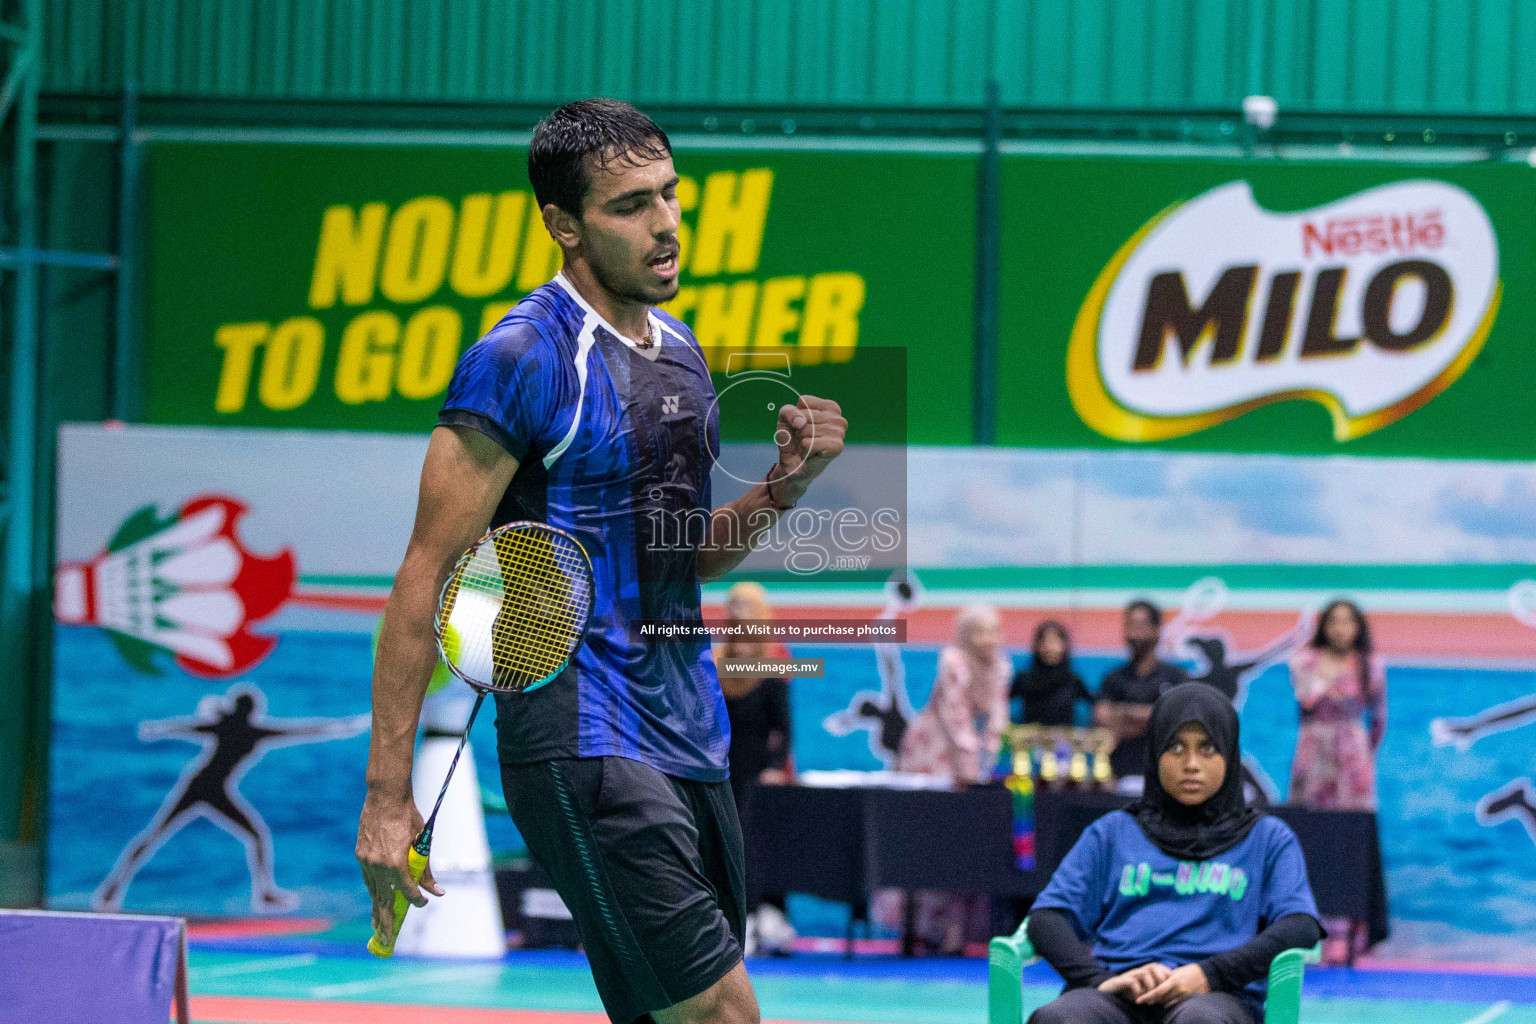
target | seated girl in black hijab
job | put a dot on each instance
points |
(1170, 911)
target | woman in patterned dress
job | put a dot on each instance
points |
(958, 735)
(960, 731)
(1338, 679)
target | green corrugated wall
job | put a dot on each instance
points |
(1375, 56)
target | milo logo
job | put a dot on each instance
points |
(1370, 306)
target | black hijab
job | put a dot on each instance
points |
(1200, 832)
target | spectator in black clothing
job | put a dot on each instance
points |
(1048, 690)
(758, 707)
(1127, 693)
(759, 711)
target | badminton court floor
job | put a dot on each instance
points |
(312, 982)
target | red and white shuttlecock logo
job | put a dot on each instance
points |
(184, 585)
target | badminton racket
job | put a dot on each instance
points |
(510, 618)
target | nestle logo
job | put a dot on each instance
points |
(1374, 233)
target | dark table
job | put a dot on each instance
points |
(843, 844)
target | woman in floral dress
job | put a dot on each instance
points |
(1338, 680)
(960, 731)
(958, 735)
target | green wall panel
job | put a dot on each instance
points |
(237, 239)
(1418, 56)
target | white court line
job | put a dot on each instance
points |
(281, 963)
(1493, 1012)
(396, 978)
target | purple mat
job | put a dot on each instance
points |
(91, 968)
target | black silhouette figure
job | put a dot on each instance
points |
(886, 714)
(1514, 799)
(887, 721)
(1233, 678)
(234, 733)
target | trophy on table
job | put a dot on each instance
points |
(1062, 756)
(1056, 757)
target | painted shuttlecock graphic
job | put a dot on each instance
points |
(184, 585)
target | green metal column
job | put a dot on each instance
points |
(984, 361)
(122, 384)
(21, 618)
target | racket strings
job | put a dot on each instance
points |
(515, 609)
(539, 617)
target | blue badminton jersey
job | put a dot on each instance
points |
(613, 444)
(1136, 904)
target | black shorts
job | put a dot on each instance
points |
(650, 866)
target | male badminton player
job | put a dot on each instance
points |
(587, 408)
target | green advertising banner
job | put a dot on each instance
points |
(335, 286)
(1365, 308)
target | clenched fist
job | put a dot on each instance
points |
(809, 435)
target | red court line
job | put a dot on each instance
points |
(253, 1010)
(255, 927)
(370, 603)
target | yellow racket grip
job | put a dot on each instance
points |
(381, 945)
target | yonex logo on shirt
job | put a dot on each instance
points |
(669, 403)
(1191, 878)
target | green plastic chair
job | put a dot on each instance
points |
(1010, 954)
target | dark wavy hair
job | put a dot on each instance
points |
(1363, 628)
(579, 136)
(1051, 626)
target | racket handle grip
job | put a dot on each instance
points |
(382, 945)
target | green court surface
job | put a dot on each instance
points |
(230, 986)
